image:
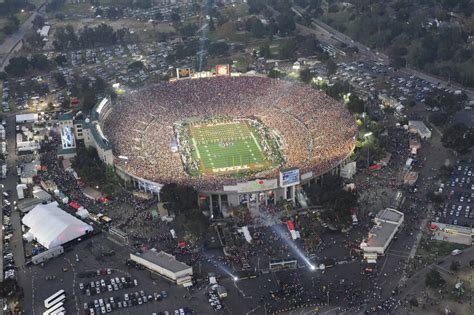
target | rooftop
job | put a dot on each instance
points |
(389, 215)
(164, 260)
(380, 234)
(419, 125)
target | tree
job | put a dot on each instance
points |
(256, 6)
(38, 22)
(142, 4)
(265, 51)
(355, 104)
(218, 49)
(255, 26)
(288, 50)
(60, 60)
(89, 166)
(275, 74)
(286, 23)
(17, 66)
(309, 46)
(178, 198)
(158, 16)
(331, 66)
(241, 64)
(39, 61)
(60, 79)
(12, 25)
(306, 75)
(458, 137)
(175, 16)
(434, 280)
(438, 118)
(188, 30)
(54, 5)
(445, 171)
(435, 198)
(331, 195)
(34, 41)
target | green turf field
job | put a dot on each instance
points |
(227, 148)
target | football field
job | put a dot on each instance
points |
(227, 147)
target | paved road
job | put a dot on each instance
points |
(12, 41)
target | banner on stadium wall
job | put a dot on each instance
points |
(289, 177)
(257, 185)
(183, 73)
(222, 70)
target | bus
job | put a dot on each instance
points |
(54, 298)
(54, 308)
(60, 311)
(57, 300)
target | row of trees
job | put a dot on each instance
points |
(65, 38)
(20, 66)
(299, 46)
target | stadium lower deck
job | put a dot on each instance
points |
(227, 147)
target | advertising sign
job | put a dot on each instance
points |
(289, 177)
(222, 70)
(183, 73)
(257, 185)
(67, 138)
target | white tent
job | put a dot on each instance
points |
(52, 226)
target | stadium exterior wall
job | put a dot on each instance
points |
(231, 193)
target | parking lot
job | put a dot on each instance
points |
(100, 280)
(459, 193)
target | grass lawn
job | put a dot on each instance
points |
(229, 145)
(430, 251)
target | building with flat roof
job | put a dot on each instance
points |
(387, 223)
(165, 265)
(420, 128)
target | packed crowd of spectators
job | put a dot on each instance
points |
(317, 132)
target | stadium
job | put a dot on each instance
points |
(235, 139)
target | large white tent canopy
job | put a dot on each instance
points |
(52, 226)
